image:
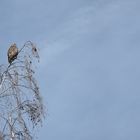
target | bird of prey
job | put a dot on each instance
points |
(12, 53)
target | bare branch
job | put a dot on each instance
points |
(21, 102)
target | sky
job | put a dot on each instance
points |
(89, 72)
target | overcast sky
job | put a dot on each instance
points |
(89, 72)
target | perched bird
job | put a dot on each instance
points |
(12, 53)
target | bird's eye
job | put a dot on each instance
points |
(35, 49)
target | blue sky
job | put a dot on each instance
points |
(89, 71)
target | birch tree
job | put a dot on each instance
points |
(21, 107)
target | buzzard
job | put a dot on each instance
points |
(12, 53)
